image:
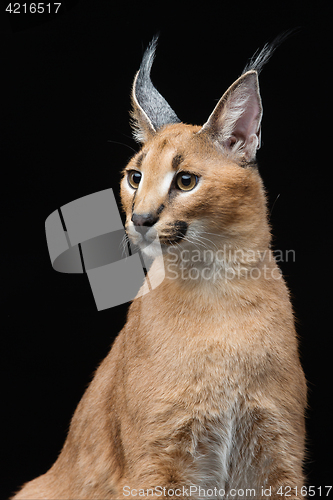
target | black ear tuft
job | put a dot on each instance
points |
(260, 58)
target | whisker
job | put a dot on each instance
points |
(195, 243)
(206, 232)
(123, 144)
(207, 239)
(124, 244)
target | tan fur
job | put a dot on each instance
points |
(203, 385)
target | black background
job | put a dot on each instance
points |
(66, 81)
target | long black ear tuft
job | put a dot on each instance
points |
(150, 110)
(261, 57)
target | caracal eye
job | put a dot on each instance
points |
(186, 181)
(134, 178)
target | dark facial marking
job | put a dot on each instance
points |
(163, 144)
(133, 200)
(140, 159)
(180, 228)
(160, 208)
(176, 161)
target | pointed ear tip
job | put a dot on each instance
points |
(251, 79)
(251, 73)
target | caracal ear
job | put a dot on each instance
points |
(150, 111)
(235, 122)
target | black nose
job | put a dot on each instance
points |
(147, 220)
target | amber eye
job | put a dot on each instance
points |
(134, 178)
(186, 181)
